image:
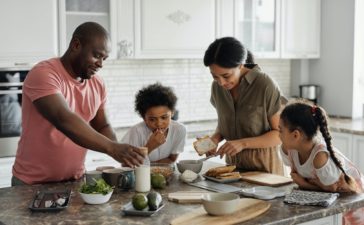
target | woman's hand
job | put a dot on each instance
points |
(231, 148)
(157, 138)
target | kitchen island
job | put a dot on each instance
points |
(14, 204)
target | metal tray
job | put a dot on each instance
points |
(40, 197)
(129, 210)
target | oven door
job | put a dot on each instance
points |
(10, 112)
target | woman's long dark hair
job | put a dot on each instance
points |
(228, 52)
(309, 118)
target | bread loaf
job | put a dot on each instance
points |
(229, 175)
(204, 145)
(214, 172)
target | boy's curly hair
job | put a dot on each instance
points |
(154, 95)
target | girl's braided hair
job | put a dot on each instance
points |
(308, 118)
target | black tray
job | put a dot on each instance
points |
(41, 196)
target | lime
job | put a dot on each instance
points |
(158, 181)
(140, 201)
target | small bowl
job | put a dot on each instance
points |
(95, 199)
(219, 204)
(166, 169)
(193, 165)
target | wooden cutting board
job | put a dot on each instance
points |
(186, 196)
(267, 179)
(248, 209)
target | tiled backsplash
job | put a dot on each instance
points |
(190, 79)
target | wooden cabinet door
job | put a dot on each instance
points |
(29, 31)
(300, 28)
(173, 28)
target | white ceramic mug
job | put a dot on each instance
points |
(142, 178)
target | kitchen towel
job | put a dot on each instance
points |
(310, 198)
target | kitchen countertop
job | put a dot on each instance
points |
(15, 201)
(347, 125)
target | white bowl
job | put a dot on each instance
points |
(95, 199)
(193, 165)
(219, 204)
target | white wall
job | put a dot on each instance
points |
(339, 70)
(189, 78)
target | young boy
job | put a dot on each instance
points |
(164, 137)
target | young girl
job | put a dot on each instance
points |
(315, 164)
(164, 138)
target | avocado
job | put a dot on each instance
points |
(158, 181)
(154, 200)
(140, 201)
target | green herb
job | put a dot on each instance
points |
(100, 187)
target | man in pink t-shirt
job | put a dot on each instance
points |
(63, 114)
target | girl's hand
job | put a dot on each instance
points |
(157, 138)
(230, 148)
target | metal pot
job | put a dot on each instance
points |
(309, 91)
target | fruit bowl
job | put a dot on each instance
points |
(95, 199)
(166, 169)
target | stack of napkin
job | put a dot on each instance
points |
(310, 198)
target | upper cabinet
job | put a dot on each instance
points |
(257, 26)
(165, 28)
(75, 12)
(301, 28)
(279, 28)
(29, 32)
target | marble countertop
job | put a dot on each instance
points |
(347, 125)
(15, 201)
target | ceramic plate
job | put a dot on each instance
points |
(41, 198)
(129, 210)
(229, 180)
(263, 192)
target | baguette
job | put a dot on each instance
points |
(214, 172)
(204, 145)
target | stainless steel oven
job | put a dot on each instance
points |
(11, 83)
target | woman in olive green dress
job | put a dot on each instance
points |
(247, 102)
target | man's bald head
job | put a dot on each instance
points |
(89, 30)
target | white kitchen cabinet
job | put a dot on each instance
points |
(344, 143)
(75, 12)
(300, 28)
(166, 28)
(29, 31)
(279, 28)
(329, 220)
(257, 26)
(358, 151)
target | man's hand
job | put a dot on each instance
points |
(157, 138)
(128, 155)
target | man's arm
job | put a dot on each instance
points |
(55, 109)
(101, 124)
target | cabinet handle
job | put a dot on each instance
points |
(22, 64)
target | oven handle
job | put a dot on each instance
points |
(11, 84)
(6, 92)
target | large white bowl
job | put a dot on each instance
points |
(219, 204)
(95, 199)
